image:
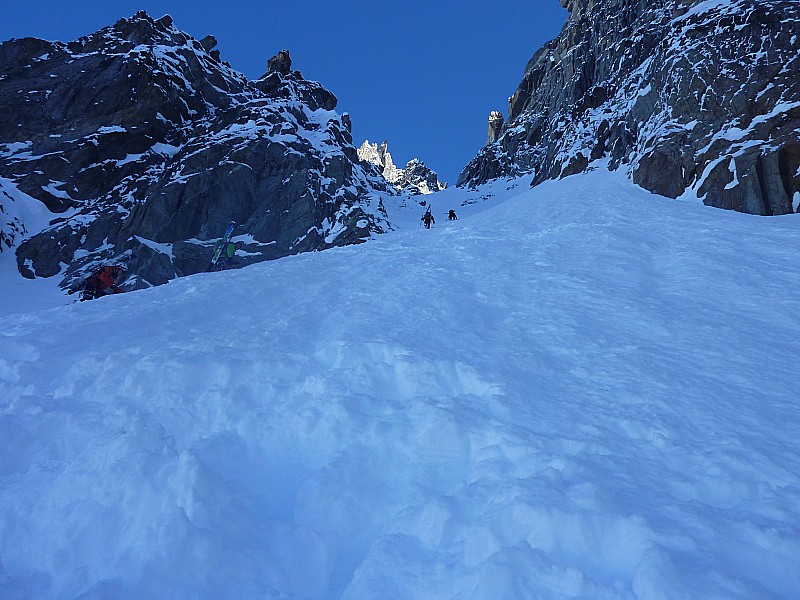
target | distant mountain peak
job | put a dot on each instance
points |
(415, 178)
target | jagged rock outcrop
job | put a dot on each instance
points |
(209, 43)
(139, 138)
(685, 95)
(281, 63)
(496, 122)
(380, 156)
(414, 178)
(417, 178)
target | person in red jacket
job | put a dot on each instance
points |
(103, 282)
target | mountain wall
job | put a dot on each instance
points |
(140, 138)
(685, 95)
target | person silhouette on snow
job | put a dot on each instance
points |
(452, 215)
(428, 219)
(103, 282)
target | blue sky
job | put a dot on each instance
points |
(425, 75)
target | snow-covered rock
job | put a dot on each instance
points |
(414, 178)
(139, 138)
(380, 156)
(687, 96)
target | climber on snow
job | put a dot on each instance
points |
(428, 219)
(102, 282)
(451, 216)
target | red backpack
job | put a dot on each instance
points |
(107, 276)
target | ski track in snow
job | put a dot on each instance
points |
(586, 391)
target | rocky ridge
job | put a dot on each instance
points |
(138, 138)
(415, 178)
(697, 96)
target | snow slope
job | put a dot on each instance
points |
(586, 391)
(21, 216)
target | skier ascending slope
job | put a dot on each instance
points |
(427, 218)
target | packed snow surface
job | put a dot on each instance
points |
(582, 391)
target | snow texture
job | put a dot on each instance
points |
(582, 391)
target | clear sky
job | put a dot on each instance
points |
(422, 74)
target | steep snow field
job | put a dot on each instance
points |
(585, 391)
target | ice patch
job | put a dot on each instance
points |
(165, 149)
(161, 248)
(53, 190)
(14, 147)
(734, 171)
(112, 129)
(129, 159)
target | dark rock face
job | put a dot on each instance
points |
(685, 95)
(138, 138)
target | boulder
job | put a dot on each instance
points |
(208, 43)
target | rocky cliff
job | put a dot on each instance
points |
(688, 96)
(139, 138)
(415, 178)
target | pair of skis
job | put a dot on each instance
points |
(224, 244)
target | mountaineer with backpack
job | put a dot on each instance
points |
(102, 282)
(227, 253)
(427, 218)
